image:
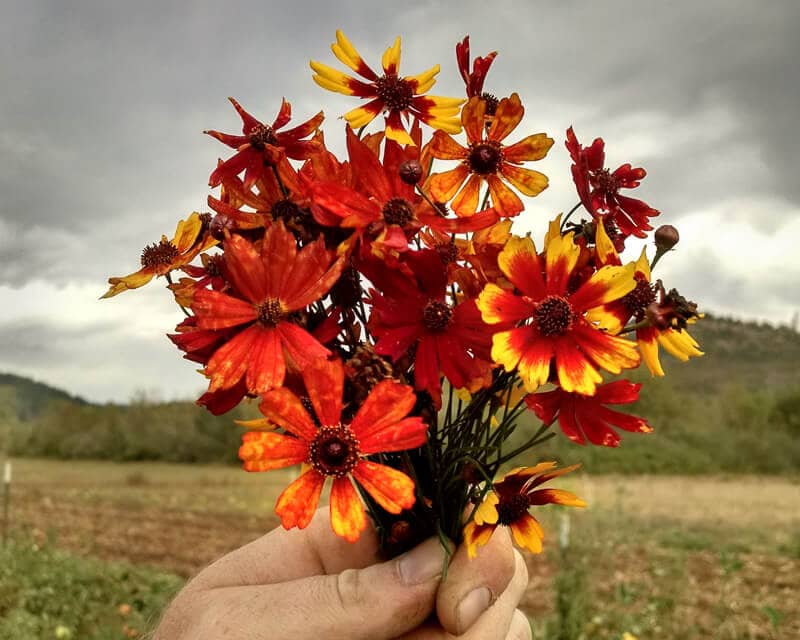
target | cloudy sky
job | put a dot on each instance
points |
(103, 103)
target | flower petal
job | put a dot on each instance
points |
(534, 147)
(507, 203)
(298, 502)
(390, 488)
(444, 186)
(498, 305)
(348, 519)
(228, 364)
(466, 202)
(575, 372)
(215, 310)
(324, 380)
(265, 450)
(521, 265)
(506, 118)
(386, 405)
(528, 533)
(284, 408)
(266, 366)
(527, 181)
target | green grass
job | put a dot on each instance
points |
(46, 593)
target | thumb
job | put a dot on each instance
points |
(381, 601)
(378, 602)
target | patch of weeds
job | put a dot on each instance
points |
(686, 540)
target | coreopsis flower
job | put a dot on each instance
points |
(474, 80)
(398, 97)
(160, 258)
(669, 313)
(554, 327)
(585, 417)
(261, 146)
(336, 449)
(450, 339)
(487, 159)
(598, 187)
(507, 504)
(269, 282)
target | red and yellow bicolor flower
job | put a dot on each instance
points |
(550, 318)
(191, 238)
(487, 159)
(507, 503)
(397, 96)
(672, 337)
(336, 449)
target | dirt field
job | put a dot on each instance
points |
(660, 557)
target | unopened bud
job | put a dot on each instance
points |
(666, 237)
(218, 225)
(410, 171)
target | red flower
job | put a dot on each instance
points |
(480, 67)
(261, 145)
(598, 187)
(580, 415)
(450, 338)
(271, 281)
(335, 449)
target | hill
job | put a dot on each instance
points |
(29, 398)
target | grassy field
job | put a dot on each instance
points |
(98, 548)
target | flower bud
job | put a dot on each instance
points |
(666, 237)
(218, 226)
(410, 171)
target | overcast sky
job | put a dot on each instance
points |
(103, 103)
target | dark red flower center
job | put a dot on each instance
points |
(607, 182)
(398, 211)
(334, 451)
(485, 157)
(261, 135)
(448, 252)
(511, 508)
(269, 313)
(553, 316)
(395, 92)
(159, 254)
(436, 315)
(214, 265)
(641, 296)
(491, 101)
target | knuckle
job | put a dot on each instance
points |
(351, 591)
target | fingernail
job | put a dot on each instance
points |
(471, 607)
(423, 563)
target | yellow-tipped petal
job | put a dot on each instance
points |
(391, 57)
(259, 424)
(606, 252)
(424, 80)
(331, 79)
(486, 512)
(679, 344)
(643, 265)
(345, 52)
(359, 117)
(649, 351)
(553, 230)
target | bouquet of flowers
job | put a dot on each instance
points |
(389, 323)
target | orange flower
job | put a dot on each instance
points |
(335, 449)
(487, 159)
(158, 259)
(272, 281)
(399, 96)
(554, 316)
(507, 504)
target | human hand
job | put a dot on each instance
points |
(311, 584)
